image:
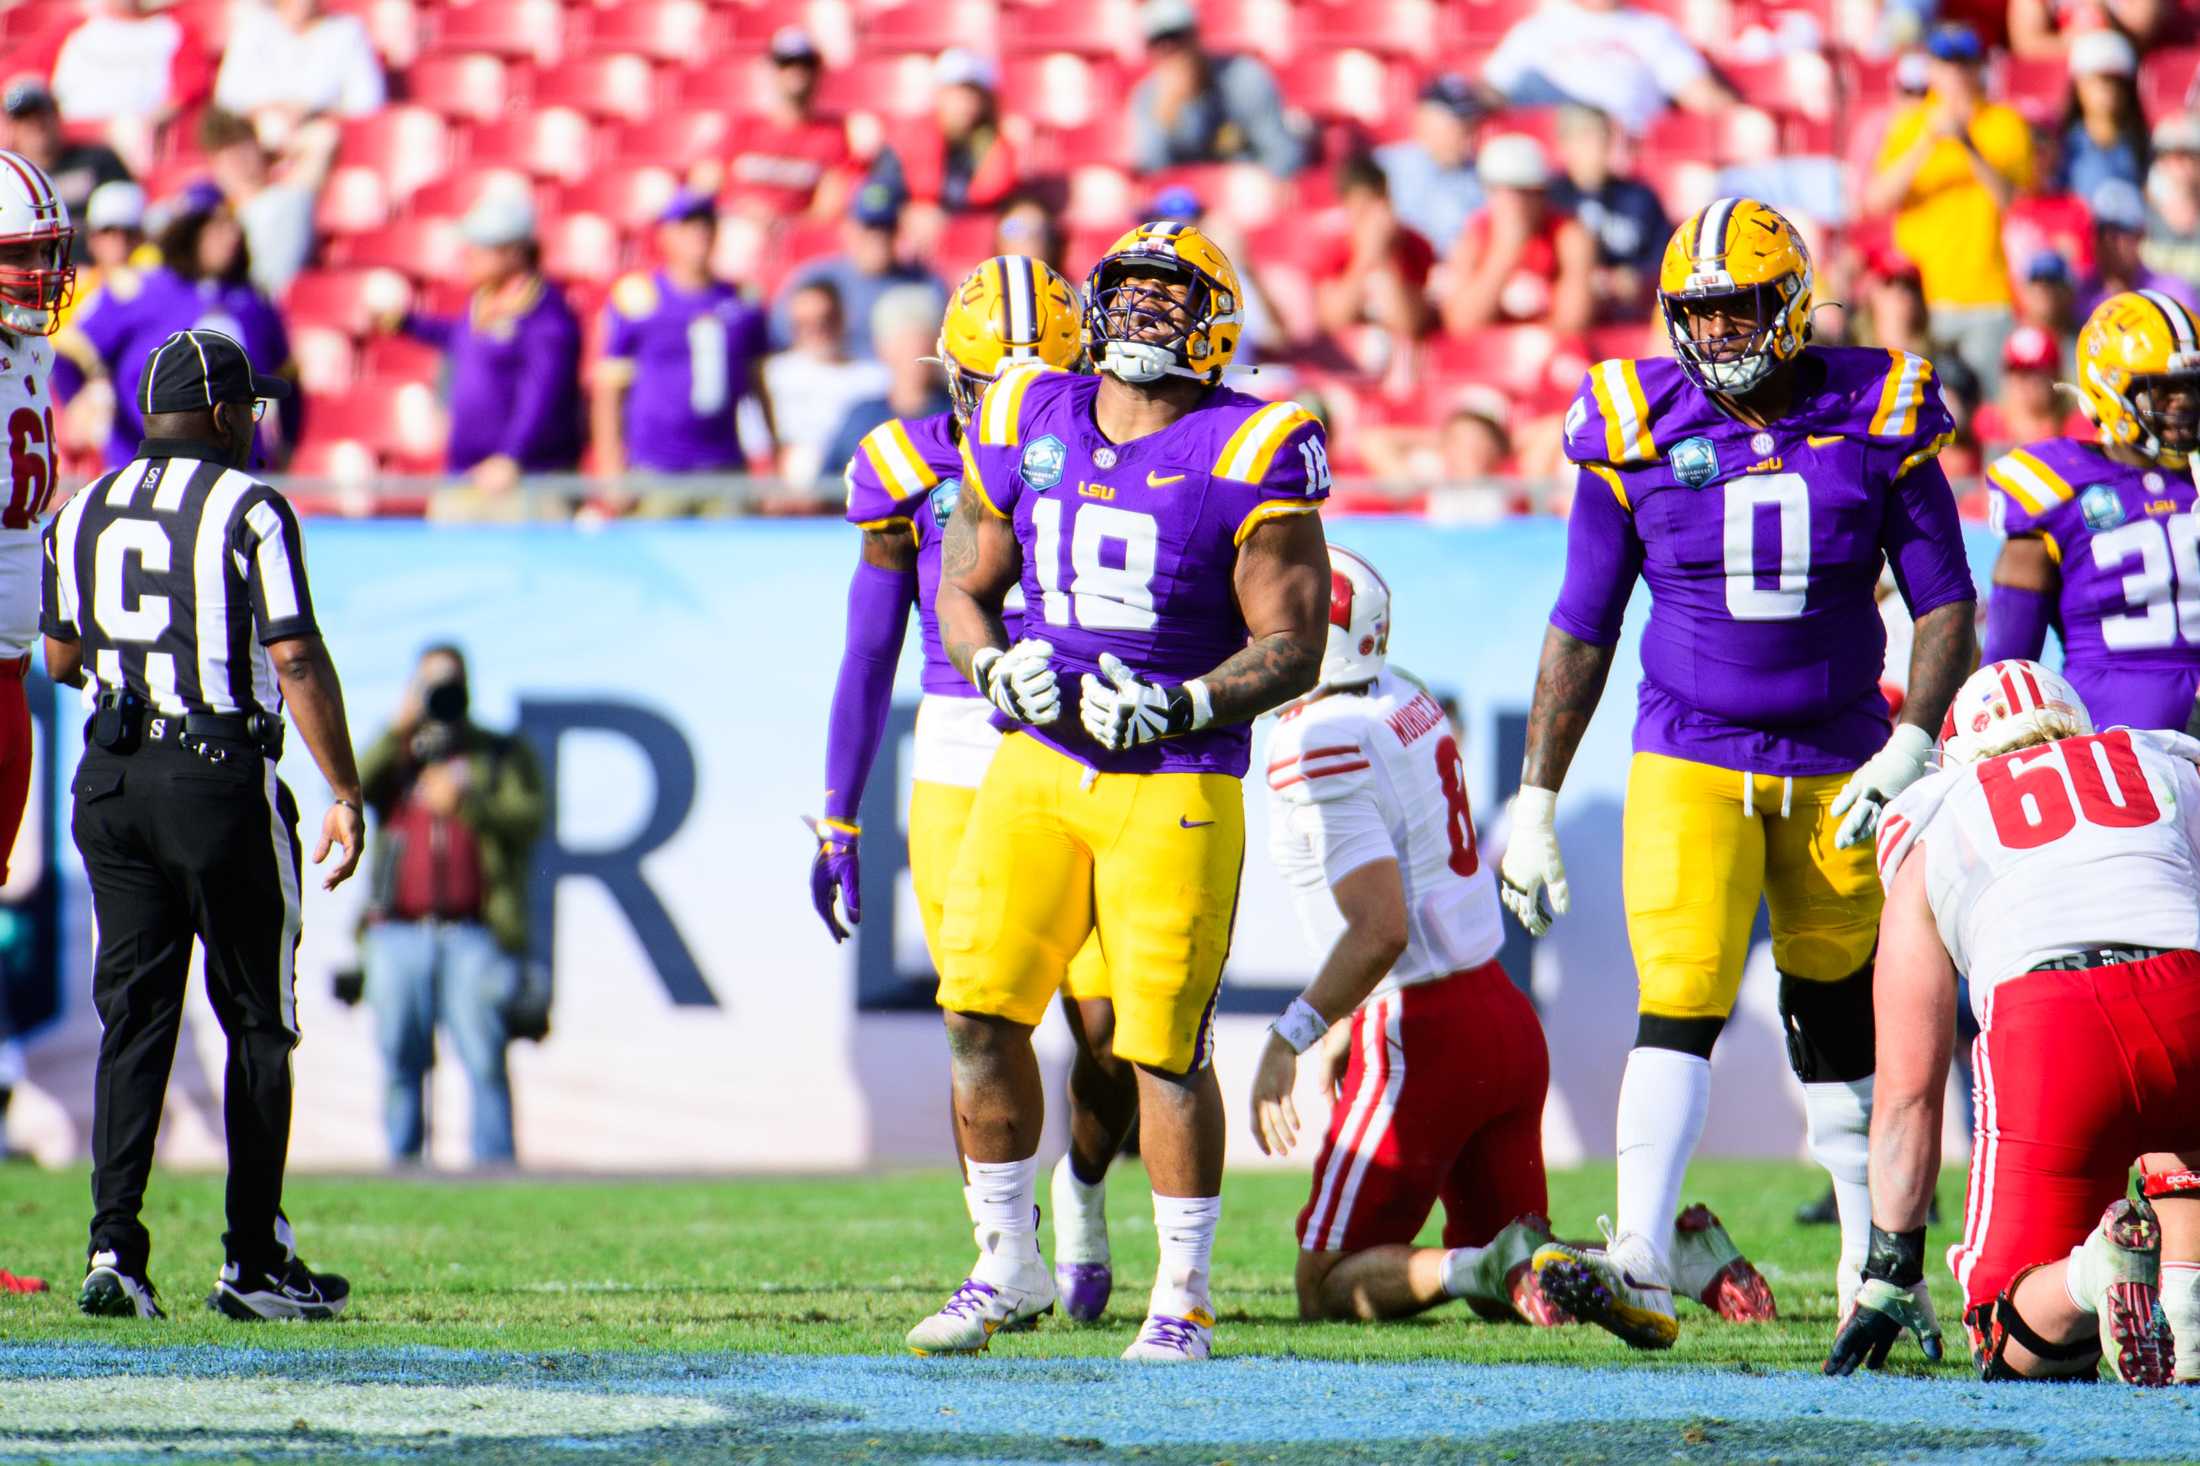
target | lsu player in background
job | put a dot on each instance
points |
(2102, 543)
(37, 283)
(2054, 867)
(1756, 481)
(903, 485)
(1164, 530)
(1437, 1062)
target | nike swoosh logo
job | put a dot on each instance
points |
(1816, 441)
(1156, 480)
(1193, 824)
(1642, 1287)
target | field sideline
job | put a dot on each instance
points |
(677, 1321)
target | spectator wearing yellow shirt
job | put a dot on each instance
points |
(1947, 172)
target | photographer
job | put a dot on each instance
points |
(457, 811)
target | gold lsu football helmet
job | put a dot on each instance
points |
(2139, 375)
(1141, 333)
(1745, 256)
(1010, 309)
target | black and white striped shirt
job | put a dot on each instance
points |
(175, 574)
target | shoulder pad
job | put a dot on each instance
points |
(1906, 818)
(1000, 416)
(635, 296)
(1247, 453)
(2171, 742)
(1316, 760)
(2027, 484)
(887, 476)
(1614, 411)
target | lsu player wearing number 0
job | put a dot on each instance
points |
(2055, 868)
(1163, 528)
(1756, 482)
(2102, 542)
(903, 484)
(1436, 1060)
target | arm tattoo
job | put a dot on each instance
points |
(1944, 653)
(1282, 586)
(1270, 671)
(1568, 683)
(959, 554)
(976, 569)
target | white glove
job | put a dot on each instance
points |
(1018, 681)
(1870, 789)
(1123, 712)
(1532, 863)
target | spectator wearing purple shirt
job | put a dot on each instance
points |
(514, 357)
(204, 243)
(681, 352)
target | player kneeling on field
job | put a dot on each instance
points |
(2056, 867)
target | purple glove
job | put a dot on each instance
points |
(834, 872)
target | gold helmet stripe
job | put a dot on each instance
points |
(1711, 235)
(2180, 323)
(1021, 293)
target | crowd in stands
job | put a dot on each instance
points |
(637, 239)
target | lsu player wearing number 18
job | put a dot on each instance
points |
(2102, 542)
(1756, 481)
(1009, 313)
(1164, 530)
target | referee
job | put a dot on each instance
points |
(175, 594)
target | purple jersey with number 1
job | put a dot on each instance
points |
(2127, 544)
(1762, 548)
(1131, 548)
(690, 356)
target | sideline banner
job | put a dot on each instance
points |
(675, 679)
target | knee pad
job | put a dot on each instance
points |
(1994, 1324)
(1830, 1036)
(2156, 1186)
(1683, 1035)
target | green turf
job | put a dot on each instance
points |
(830, 1266)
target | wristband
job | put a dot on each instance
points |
(1535, 806)
(353, 806)
(1203, 702)
(1896, 1257)
(1301, 1025)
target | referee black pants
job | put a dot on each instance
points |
(179, 846)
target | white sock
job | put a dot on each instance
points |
(1186, 1228)
(1663, 1098)
(1460, 1265)
(1003, 1213)
(1080, 1216)
(1838, 1118)
(2181, 1306)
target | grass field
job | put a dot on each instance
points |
(677, 1321)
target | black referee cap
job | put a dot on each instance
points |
(193, 370)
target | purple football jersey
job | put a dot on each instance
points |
(132, 312)
(1762, 547)
(693, 356)
(1131, 548)
(2128, 545)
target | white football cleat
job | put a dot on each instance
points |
(967, 1322)
(110, 1292)
(1174, 1338)
(1618, 1288)
(1709, 1268)
(2117, 1270)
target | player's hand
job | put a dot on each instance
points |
(1275, 1117)
(1532, 865)
(1883, 1311)
(1336, 1058)
(834, 872)
(341, 829)
(1018, 681)
(1120, 711)
(1870, 789)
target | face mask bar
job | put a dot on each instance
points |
(1730, 363)
(1121, 310)
(2175, 428)
(33, 298)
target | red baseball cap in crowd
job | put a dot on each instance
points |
(2029, 349)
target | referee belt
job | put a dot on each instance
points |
(226, 727)
(2093, 957)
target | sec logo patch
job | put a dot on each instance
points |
(1042, 463)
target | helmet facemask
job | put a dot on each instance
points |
(964, 386)
(1733, 362)
(37, 281)
(1141, 316)
(2166, 406)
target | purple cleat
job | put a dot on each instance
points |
(1085, 1287)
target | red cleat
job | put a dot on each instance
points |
(1709, 1268)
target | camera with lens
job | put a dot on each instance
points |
(442, 713)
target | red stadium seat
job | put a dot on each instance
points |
(581, 247)
(1089, 27)
(1063, 150)
(928, 25)
(753, 22)
(352, 201)
(1410, 28)
(345, 459)
(550, 142)
(1485, 21)
(676, 138)
(393, 24)
(624, 87)
(1355, 86)
(400, 359)
(326, 360)
(460, 189)
(1531, 362)
(1264, 28)
(680, 31)
(1101, 198)
(898, 86)
(343, 300)
(741, 86)
(2167, 80)
(2035, 87)
(209, 20)
(407, 146)
(631, 197)
(519, 30)
(470, 88)
(418, 249)
(1062, 90)
(401, 421)
(1802, 82)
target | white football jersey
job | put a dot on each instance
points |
(2084, 842)
(27, 462)
(1356, 777)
